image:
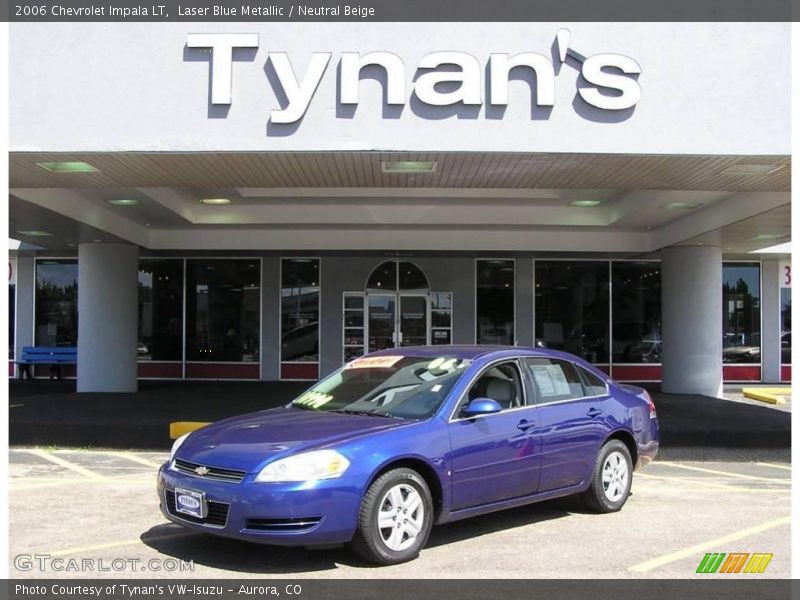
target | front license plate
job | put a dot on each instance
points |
(190, 502)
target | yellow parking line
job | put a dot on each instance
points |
(725, 473)
(134, 458)
(774, 466)
(702, 483)
(660, 561)
(119, 544)
(67, 465)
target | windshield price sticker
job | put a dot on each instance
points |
(313, 399)
(374, 362)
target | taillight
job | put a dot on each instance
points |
(651, 404)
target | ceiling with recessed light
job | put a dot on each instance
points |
(622, 204)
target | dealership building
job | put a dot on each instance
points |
(265, 201)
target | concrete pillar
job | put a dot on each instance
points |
(691, 316)
(771, 320)
(24, 317)
(523, 291)
(107, 309)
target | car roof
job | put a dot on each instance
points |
(468, 351)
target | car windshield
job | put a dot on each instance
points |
(408, 387)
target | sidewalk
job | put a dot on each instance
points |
(50, 413)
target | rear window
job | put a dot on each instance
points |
(594, 385)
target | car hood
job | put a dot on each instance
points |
(249, 441)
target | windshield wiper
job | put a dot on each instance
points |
(369, 413)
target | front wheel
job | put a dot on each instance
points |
(395, 518)
(611, 479)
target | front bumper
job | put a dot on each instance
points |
(284, 514)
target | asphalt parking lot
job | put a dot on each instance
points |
(101, 506)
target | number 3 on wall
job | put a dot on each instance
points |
(787, 276)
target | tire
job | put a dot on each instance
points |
(615, 466)
(385, 501)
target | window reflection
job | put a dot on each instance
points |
(222, 310)
(741, 313)
(160, 310)
(56, 303)
(636, 305)
(572, 308)
(300, 310)
(786, 326)
(494, 299)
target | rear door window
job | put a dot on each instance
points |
(593, 384)
(555, 380)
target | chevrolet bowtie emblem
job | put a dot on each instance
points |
(202, 471)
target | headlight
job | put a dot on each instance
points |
(177, 445)
(310, 466)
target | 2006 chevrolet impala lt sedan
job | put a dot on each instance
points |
(399, 440)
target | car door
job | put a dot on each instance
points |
(493, 457)
(570, 423)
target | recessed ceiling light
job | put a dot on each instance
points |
(408, 166)
(68, 167)
(215, 201)
(124, 202)
(681, 205)
(35, 233)
(585, 203)
(769, 236)
(745, 169)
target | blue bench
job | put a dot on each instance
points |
(54, 356)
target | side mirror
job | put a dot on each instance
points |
(481, 406)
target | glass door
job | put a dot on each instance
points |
(381, 321)
(413, 321)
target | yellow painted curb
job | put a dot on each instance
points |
(178, 428)
(768, 395)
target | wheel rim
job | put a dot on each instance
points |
(615, 476)
(400, 517)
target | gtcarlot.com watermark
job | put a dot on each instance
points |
(56, 564)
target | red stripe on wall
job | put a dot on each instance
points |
(44, 371)
(643, 372)
(308, 371)
(786, 372)
(741, 372)
(221, 371)
(173, 370)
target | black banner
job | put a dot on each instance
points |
(722, 588)
(399, 10)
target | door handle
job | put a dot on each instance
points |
(524, 425)
(594, 412)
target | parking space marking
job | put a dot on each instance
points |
(133, 458)
(660, 561)
(783, 480)
(708, 485)
(67, 465)
(131, 542)
(774, 466)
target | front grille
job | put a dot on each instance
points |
(217, 512)
(218, 473)
(283, 525)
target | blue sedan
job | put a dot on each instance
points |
(400, 440)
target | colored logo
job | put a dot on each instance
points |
(189, 502)
(734, 562)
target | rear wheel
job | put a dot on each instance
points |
(611, 479)
(395, 519)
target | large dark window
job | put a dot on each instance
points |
(636, 312)
(222, 310)
(300, 310)
(786, 326)
(741, 313)
(160, 310)
(56, 303)
(572, 308)
(494, 301)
